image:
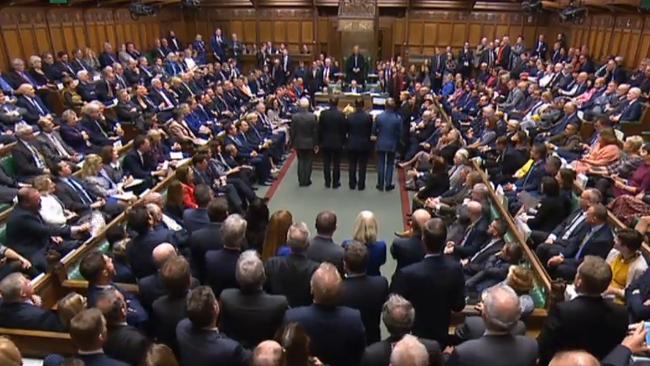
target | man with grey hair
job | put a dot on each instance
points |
(290, 276)
(498, 346)
(30, 163)
(398, 316)
(221, 265)
(86, 87)
(304, 139)
(248, 314)
(20, 308)
(409, 352)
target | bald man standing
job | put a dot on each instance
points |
(411, 249)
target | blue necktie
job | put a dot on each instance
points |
(85, 198)
(4, 85)
(583, 245)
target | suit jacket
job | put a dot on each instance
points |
(474, 328)
(337, 334)
(388, 129)
(632, 112)
(127, 344)
(98, 135)
(290, 276)
(251, 316)
(475, 236)
(150, 288)
(202, 240)
(443, 277)
(496, 350)
(72, 199)
(207, 347)
(220, 267)
(304, 130)
(323, 249)
(359, 131)
(599, 244)
(100, 359)
(141, 247)
(26, 166)
(195, 219)
(28, 234)
(49, 150)
(107, 59)
(168, 311)
(73, 137)
(366, 294)
(593, 324)
(332, 128)
(479, 259)
(22, 315)
(32, 112)
(139, 168)
(378, 353)
(550, 213)
(407, 251)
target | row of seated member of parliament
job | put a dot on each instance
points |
(205, 298)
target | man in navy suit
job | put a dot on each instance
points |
(218, 43)
(332, 128)
(532, 180)
(541, 48)
(597, 241)
(20, 308)
(34, 107)
(475, 234)
(209, 237)
(221, 265)
(632, 110)
(435, 286)
(199, 341)
(196, 218)
(388, 129)
(139, 162)
(148, 235)
(89, 333)
(409, 250)
(151, 287)
(359, 128)
(337, 333)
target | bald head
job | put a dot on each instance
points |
(162, 253)
(502, 310)
(267, 353)
(419, 218)
(155, 198)
(475, 210)
(409, 352)
(574, 358)
(326, 284)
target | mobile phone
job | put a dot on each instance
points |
(646, 326)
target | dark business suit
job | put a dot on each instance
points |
(304, 137)
(208, 347)
(632, 112)
(290, 276)
(195, 219)
(443, 278)
(475, 236)
(366, 294)
(324, 249)
(141, 248)
(74, 195)
(407, 251)
(550, 213)
(29, 162)
(588, 323)
(598, 243)
(479, 259)
(150, 288)
(250, 317)
(495, 350)
(358, 146)
(336, 333)
(100, 359)
(168, 311)
(332, 127)
(139, 167)
(49, 149)
(473, 327)
(200, 241)
(378, 353)
(220, 268)
(34, 108)
(127, 344)
(23, 315)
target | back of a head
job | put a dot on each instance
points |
(326, 284)
(409, 352)
(92, 266)
(86, 329)
(574, 358)
(298, 237)
(501, 308)
(9, 353)
(419, 218)
(11, 287)
(203, 194)
(594, 276)
(200, 306)
(159, 355)
(434, 234)
(250, 271)
(326, 223)
(355, 258)
(234, 231)
(162, 252)
(175, 274)
(69, 306)
(218, 210)
(112, 305)
(296, 344)
(267, 353)
(398, 315)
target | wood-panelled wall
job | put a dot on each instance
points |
(30, 31)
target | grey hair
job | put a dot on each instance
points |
(298, 236)
(398, 314)
(11, 287)
(33, 59)
(303, 103)
(502, 310)
(234, 231)
(409, 351)
(81, 73)
(250, 271)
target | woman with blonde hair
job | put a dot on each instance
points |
(275, 238)
(365, 232)
(159, 355)
(69, 306)
(94, 181)
(52, 210)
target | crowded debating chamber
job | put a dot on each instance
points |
(324, 183)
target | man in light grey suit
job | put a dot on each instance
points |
(498, 347)
(322, 247)
(304, 138)
(516, 97)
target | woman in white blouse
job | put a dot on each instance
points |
(52, 210)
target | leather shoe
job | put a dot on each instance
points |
(379, 188)
(390, 188)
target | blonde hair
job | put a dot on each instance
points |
(92, 165)
(9, 353)
(635, 141)
(69, 306)
(365, 228)
(42, 183)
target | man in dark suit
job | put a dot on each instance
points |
(336, 332)
(197, 218)
(491, 246)
(322, 247)
(86, 87)
(313, 79)
(475, 234)
(498, 346)
(355, 66)
(108, 57)
(30, 163)
(597, 240)
(589, 321)
(73, 194)
(332, 128)
(362, 292)
(438, 63)
(359, 128)
(632, 110)
(151, 287)
(209, 237)
(221, 265)
(290, 276)
(199, 341)
(409, 250)
(19, 308)
(147, 236)
(442, 276)
(139, 163)
(34, 108)
(388, 129)
(541, 48)
(248, 314)
(123, 342)
(304, 138)
(89, 334)
(52, 145)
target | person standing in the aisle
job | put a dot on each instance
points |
(304, 137)
(359, 145)
(332, 127)
(388, 129)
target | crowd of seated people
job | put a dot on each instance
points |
(516, 111)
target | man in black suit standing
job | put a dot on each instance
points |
(409, 250)
(290, 276)
(89, 334)
(221, 265)
(304, 138)
(362, 292)
(200, 341)
(336, 332)
(322, 247)
(589, 321)
(355, 66)
(501, 313)
(332, 128)
(124, 342)
(359, 128)
(435, 286)
(248, 314)
(208, 237)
